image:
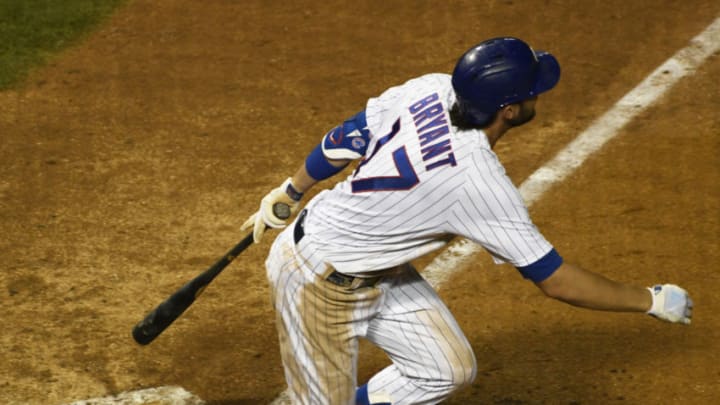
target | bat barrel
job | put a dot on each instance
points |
(169, 310)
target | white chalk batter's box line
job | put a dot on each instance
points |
(605, 128)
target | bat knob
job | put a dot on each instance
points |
(281, 210)
(144, 333)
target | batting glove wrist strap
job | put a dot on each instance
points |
(670, 303)
(291, 192)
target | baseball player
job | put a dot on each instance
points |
(426, 173)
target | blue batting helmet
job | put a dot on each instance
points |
(499, 72)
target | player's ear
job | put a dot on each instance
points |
(510, 111)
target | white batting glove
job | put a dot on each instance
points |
(670, 303)
(266, 216)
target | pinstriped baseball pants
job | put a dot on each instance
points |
(319, 324)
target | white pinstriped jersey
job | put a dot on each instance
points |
(420, 181)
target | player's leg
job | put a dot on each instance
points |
(315, 326)
(431, 356)
(319, 359)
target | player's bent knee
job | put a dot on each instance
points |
(465, 369)
(464, 375)
(461, 373)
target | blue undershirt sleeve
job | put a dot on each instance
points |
(542, 268)
(318, 166)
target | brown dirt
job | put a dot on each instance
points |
(130, 161)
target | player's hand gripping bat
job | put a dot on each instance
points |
(169, 310)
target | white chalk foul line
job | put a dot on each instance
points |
(562, 165)
(154, 396)
(591, 140)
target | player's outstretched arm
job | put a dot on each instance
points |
(579, 287)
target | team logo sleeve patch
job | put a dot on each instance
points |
(348, 140)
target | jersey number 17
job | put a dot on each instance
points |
(406, 178)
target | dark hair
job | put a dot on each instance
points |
(457, 118)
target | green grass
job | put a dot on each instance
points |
(32, 30)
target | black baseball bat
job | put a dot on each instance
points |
(169, 310)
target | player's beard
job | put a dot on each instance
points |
(527, 113)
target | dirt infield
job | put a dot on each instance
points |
(129, 163)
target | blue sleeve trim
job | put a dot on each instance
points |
(348, 140)
(543, 268)
(318, 166)
(361, 396)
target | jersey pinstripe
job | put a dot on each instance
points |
(421, 181)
